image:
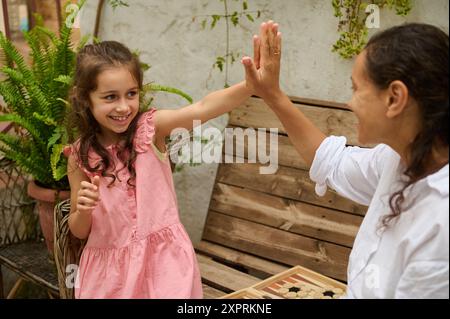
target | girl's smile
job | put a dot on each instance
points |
(121, 120)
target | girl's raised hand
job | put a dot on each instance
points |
(263, 73)
(88, 196)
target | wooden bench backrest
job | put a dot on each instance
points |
(279, 217)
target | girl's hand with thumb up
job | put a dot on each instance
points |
(88, 196)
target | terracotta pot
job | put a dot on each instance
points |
(46, 204)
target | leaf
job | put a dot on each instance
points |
(58, 171)
(219, 65)
(118, 3)
(64, 79)
(162, 88)
(244, 5)
(250, 18)
(84, 40)
(63, 101)
(55, 137)
(145, 66)
(233, 59)
(220, 61)
(26, 124)
(47, 120)
(60, 133)
(215, 18)
(234, 18)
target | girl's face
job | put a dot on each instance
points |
(115, 102)
(369, 105)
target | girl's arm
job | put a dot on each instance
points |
(83, 198)
(211, 106)
(262, 76)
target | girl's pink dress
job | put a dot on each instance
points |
(137, 247)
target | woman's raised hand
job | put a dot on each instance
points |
(262, 75)
(88, 196)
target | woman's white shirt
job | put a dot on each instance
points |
(410, 257)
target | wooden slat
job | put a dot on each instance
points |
(238, 258)
(287, 154)
(274, 244)
(289, 215)
(287, 182)
(314, 102)
(223, 277)
(255, 113)
(212, 293)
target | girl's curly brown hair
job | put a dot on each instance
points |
(91, 61)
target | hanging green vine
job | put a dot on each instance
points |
(352, 22)
(232, 19)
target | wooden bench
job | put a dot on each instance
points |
(260, 225)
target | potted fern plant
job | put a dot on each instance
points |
(35, 94)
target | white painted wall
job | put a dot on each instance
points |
(181, 55)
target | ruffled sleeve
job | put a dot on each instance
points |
(94, 158)
(145, 131)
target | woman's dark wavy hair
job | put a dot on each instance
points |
(91, 61)
(417, 55)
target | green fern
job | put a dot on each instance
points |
(36, 101)
(35, 96)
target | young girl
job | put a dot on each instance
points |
(122, 194)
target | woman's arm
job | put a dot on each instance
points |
(262, 76)
(304, 135)
(211, 106)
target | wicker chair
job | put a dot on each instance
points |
(18, 220)
(67, 250)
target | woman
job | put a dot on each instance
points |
(400, 97)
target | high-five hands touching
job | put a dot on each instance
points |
(263, 73)
(263, 78)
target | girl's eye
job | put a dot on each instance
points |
(110, 97)
(132, 93)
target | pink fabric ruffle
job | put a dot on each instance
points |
(145, 132)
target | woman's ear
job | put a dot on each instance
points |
(397, 95)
